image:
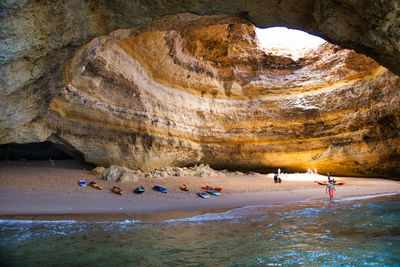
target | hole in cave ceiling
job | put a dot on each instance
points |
(287, 42)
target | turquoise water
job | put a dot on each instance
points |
(352, 232)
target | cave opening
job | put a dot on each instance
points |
(282, 41)
(40, 151)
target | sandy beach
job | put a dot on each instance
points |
(42, 190)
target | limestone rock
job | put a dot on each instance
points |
(98, 171)
(189, 88)
(255, 173)
(201, 170)
(321, 110)
(113, 173)
(128, 177)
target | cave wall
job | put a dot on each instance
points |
(39, 100)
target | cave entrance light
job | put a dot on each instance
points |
(287, 42)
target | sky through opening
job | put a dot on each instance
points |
(282, 39)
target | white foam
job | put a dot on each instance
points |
(207, 217)
(233, 214)
(367, 197)
(130, 221)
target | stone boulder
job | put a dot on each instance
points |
(98, 171)
(200, 170)
(114, 172)
(129, 177)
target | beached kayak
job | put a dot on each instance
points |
(214, 192)
(139, 190)
(326, 183)
(160, 189)
(82, 183)
(184, 187)
(95, 185)
(203, 194)
(117, 190)
(207, 187)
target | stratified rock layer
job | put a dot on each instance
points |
(37, 37)
(190, 89)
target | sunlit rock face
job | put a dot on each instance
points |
(190, 89)
(37, 37)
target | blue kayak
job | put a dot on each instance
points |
(203, 194)
(161, 189)
(139, 190)
(214, 192)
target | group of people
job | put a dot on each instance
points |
(314, 171)
(329, 188)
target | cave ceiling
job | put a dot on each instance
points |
(146, 84)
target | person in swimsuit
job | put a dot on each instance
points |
(331, 189)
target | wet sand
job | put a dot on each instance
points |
(44, 190)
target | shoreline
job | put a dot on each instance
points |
(40, 191)
(162, 215)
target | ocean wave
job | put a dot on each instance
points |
(258, 211)
(14, 231)
(207, 217)
(232, 215)
(367, 197)
(133, 221)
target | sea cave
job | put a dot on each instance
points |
(121, 83)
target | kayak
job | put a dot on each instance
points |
(160, 189)
(203, 194)
(82, 183)
(326, 183)
(95, 185)
(139, 190)
(184, 187)
(214, 192)
(207, 187)
(117, 190)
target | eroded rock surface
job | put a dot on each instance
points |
(37, 37)
(191, 89)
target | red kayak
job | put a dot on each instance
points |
(326, 183)
(207, 187)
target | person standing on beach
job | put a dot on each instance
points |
(331, 189)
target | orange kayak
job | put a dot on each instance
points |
(207, 187)
(184, 187)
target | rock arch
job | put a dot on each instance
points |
(39, 37)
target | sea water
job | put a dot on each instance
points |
(351, 232)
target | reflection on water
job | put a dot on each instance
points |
(357, 232)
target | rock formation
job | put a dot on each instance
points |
(193, 89)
